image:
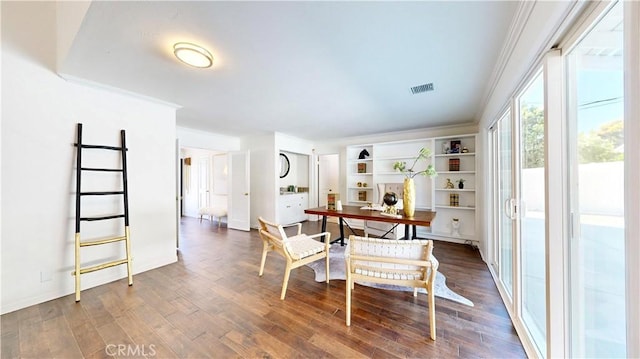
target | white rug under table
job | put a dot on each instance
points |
(338, 271)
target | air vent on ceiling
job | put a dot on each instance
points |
(422, 88)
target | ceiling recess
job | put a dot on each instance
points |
(422, 88)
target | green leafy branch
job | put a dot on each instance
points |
(424, 154)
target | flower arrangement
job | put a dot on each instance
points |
(410, 172)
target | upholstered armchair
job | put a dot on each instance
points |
(297, 250)
(395, 262)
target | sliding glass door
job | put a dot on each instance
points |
(518, 147)
(595, 81)
(503, 207)
(531, 197)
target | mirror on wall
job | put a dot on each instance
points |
(285, 165)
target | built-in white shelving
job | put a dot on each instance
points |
(430, 193)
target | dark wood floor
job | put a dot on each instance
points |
(211, 303)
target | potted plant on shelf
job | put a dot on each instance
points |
(409, 192)
(461, 182)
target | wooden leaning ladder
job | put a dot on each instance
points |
(78, 243)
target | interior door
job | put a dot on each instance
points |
(239, 195)
(204, 182)
(328, 172)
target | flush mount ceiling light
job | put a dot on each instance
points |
(193, 55)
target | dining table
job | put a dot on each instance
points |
(420, 218)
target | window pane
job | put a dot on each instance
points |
(595, 70)
(532, 211)
(506, 226)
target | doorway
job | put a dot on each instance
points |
(328, 178)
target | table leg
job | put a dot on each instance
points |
(341, 231)
(324, 227)
(406, 232)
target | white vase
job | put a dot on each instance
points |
(455, 227)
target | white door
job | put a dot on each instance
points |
(328, 172)
(178, 191)
(204, 166)
(238, 185)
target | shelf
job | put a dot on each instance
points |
(455, 190)
(459, 207)
(396, 158)
(429, 191)
(455, 154)
(459, 172)
(387, 173)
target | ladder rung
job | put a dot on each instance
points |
(100, 266)
(101, 147)
(101, 169)
(101, 218)
(102, 241)
(100, 193)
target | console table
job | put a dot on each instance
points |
(420, 218)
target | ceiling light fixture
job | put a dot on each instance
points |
(193, 55)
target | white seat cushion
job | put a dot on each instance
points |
(301, 246)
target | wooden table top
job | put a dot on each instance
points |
(420, 218)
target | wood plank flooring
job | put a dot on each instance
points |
(212, 304)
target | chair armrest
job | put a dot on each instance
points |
(294, 224)
(320, 234)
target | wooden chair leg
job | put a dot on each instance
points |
(265, 250)
(327, 269)
(348, 287)
(432, 313)
(287, 271)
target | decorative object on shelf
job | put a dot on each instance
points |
(359, 184)
(362, 195)
(390, 199)
(464, 150)
(455, 227)
(461, 183)
(455, 146)
(332, 200)
(454, 200)
(364, 184)
(454, 164)
(409, 193)
(362, 168)
(445, 149)
(449, 184)
(363, 154)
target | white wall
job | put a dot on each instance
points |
(206, 140)
(39, 116)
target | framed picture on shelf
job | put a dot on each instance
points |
(455, 146)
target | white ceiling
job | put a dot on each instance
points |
(308, 69)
